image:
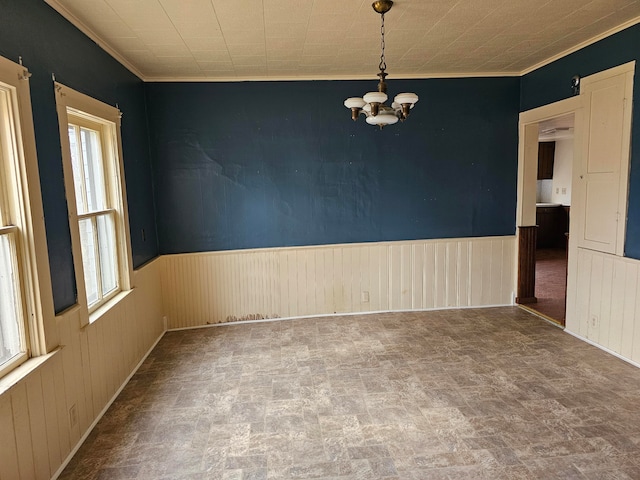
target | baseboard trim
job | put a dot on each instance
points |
(324, 315)
(552, 321)
(615, 354)
(104, 410)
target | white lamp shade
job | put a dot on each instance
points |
(354, 102)
(382, 119)
(375, 97)
(409, 98)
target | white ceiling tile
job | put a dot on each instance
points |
(216, 66)
(283, 11)
(205, 43)
(307, 38)
(159, 37)
(246, 49)
(251, 70)
(198, 29)
(211, 55)
(171, 51)
(186, 11)
(286, 30)
(244, 37)
(249, 60)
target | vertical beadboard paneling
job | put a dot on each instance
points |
(214, 287)
(22, 431)
(451, 281)
(632, 308)
(463, 274)
(582, 285)
(440, 274)
(607, 302)
(9, 452)
(634, 324)
(90, 367)
(618, 290)
(64, 439)
(595, 304)
(605, 295)
(429, 276)
(51, 413)
(38, 425)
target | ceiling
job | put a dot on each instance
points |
(559, 128)
(337, 39)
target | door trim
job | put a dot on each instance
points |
(528, 174)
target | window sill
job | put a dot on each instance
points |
(23, 371)
(111, 303)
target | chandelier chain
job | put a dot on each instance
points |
(383, 62)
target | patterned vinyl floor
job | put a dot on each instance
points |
(461, 394)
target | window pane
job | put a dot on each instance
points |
(88, 169)
(76, 165)
(89, 260)
(108, 253)
(11, 335)
(93, 170)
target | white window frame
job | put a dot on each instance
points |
(77, 108)
(22, 204)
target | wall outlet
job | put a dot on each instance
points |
(165, 323)
(73, 416)
(557, 190)
(365, 297)
(594, 321)
(564, 190)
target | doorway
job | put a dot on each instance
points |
(548, 144)
(553, 208)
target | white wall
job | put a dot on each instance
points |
(86, 372)
(605, 308)
(562, 167)
(214, 287)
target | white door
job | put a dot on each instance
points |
(603, 177)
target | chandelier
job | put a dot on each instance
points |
(372, 104)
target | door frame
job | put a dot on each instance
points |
(527, 177)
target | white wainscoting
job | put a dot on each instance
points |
(87, 371)
(605, 306)
(215, 287)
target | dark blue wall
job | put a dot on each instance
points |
(552, 83)
(262, 164)
(49, 44)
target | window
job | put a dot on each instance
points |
(95, 197)
(24, 272)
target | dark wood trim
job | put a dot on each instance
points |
(524, 301)
(526, 265)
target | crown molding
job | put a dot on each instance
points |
(76, 22)
(309, 78)
(586, 43)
